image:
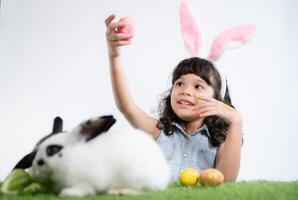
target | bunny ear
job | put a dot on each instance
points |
(190, 29)
(94, 127)
(231, 38)
(58, 125)
(57, 128)
(26, 161)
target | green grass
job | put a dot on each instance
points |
(259, 190)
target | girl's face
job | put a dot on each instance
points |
(183, 95)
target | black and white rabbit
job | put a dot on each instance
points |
(86, 162)
(26, 161)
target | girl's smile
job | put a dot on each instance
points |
(185, 103)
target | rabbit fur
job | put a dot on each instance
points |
(87, 161)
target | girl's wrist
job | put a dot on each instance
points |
(236, 120)
(113, 54)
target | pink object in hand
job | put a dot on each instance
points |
(128, 27)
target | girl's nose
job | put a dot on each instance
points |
(185, 91)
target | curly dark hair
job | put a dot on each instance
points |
(205, 69)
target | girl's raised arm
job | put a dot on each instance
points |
(122, 95)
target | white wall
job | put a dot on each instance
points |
(53, 61)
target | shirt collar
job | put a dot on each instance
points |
(203, 130)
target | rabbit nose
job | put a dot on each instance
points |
(40, 162)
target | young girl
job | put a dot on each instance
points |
(197, 127)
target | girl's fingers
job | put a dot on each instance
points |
(204, 98)
(201, 104)
(208, 113)
(121, 43)
(109, 19)
(205, 109)
(120, 36)
(227, 107)
(113, 26)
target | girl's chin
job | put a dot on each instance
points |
(187, 116)
(186, 113)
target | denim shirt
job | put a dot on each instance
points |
(187, 150)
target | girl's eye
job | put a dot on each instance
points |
(179, 83)
(198, 87)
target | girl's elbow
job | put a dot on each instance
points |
(230, 177)
(122, 109)
(125, 110)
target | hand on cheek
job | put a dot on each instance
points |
(208, 106)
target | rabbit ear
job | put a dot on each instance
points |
(58, 125)
(26, 161)
(231, 38)
(94, 127)
(57, 128)
(190, 29)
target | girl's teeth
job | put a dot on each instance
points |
(185, 103)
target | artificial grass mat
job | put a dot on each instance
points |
(260, 190)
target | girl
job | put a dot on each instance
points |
(197, 127)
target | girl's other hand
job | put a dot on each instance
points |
(116, 40)
(208, 106)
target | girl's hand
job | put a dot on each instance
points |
(208, 106)
(115, 40)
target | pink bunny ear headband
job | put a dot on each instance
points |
(230, 38)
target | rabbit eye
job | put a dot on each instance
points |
(53, 149)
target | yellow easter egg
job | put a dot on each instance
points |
(189, 176)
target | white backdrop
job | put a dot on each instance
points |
(53, 61)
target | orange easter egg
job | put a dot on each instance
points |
(211, 177)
